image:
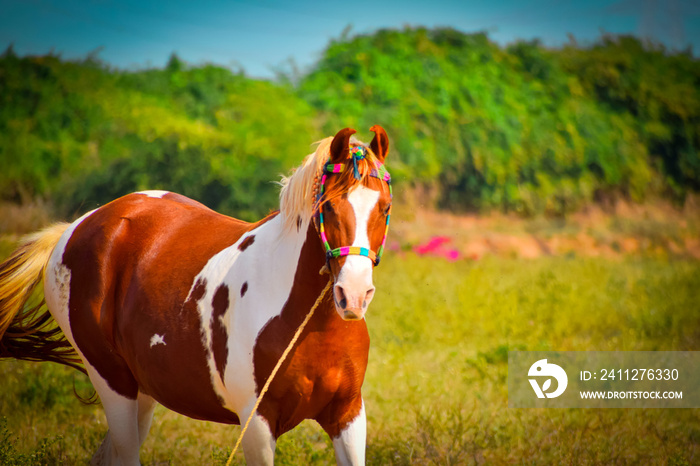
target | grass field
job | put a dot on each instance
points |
(436, 390)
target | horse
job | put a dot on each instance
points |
(161, 300)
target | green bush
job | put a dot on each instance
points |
(82, 134)
(520, 128)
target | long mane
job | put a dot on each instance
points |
(298, 189)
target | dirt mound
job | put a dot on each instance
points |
(627, 229)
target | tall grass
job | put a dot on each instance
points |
(436, 383)
(440, 338)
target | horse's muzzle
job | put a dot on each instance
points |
(351, 302)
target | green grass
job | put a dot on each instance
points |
(441, 331)
(436, 383)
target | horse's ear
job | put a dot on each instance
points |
(340, 146)
(380, 143)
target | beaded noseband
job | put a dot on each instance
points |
(380, 172)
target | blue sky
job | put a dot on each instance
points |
(262, 35)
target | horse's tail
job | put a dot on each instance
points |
(27, 329)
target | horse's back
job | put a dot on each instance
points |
(132, 267)
(147, 242)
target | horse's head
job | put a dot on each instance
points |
(354, 205)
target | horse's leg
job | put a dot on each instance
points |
(121, 443)
(145, 413)
(258, 441)
(349, 444)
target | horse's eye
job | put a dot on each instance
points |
(387, 210)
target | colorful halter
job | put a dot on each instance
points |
(380, 172)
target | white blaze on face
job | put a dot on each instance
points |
(353, 289)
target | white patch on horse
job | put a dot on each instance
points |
(157, 340)
(268, 267)
(349, 446)
(154, 193)
(355, 278)
(362, 200)
(213, 275)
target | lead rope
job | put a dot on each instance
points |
(279, 364)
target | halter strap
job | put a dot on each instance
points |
(380, 172)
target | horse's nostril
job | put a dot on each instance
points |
(340, 298)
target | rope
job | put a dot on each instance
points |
(279, 364)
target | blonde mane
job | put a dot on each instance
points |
(298, 189)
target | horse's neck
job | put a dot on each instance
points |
(289, 262)
(308, 279)
(310, 258)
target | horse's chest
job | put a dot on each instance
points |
(324, 371)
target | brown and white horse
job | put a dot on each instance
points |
(167, 301)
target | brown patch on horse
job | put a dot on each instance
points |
(376, 224)
(199, 289)
(219, 336)
(322, 377)
(246, 243)
(131, 280)
(335, 213)
(244, 289)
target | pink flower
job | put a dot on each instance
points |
(436, 247)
